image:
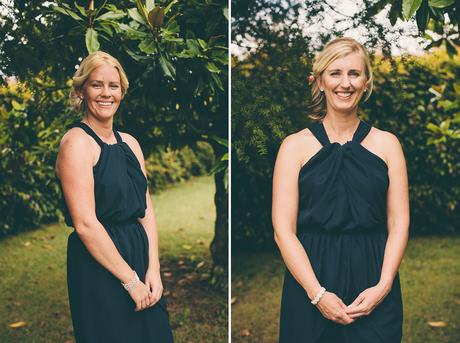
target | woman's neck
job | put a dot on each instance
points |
(341, 125)
(102, 129)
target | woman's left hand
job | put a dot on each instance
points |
(153, 282)
(367, 301)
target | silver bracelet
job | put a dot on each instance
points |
(318, 296)
(131, 284)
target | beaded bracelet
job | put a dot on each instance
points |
(318, 296)
(131, 284)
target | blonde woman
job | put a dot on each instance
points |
(341, 212)
(113, 270)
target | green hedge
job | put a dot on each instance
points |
(418, 99)
(31, 126)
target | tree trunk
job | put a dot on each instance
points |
(219, 245)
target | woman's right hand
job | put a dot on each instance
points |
(140, 293)
(333, 308)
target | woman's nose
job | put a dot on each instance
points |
(105, 91)
(345, 81)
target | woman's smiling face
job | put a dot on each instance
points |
(344, 82)
(102, 92)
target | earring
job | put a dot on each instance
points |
(321, 90)
(365, 90)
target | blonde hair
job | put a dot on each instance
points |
(333, 50)
(87, 66)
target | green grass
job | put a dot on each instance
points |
(33, 273)
(430, 281)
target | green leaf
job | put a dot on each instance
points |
(67, 12)
(212, 67)
(147, 46)
(156, 17)
(132, 33)
(423, 16)
(440, 3)
(217, 81)
(92, 43)
(225, 12)
(81, 9)
(432, 127)
(134, 14)
(409, 7)
(111, 16)
(150, 5)
(451, 49)
(167, 8)
(168, 68)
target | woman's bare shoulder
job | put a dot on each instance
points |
(384, 138)
(75, 138)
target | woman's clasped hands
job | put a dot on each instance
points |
(334, 309)
(147, 294)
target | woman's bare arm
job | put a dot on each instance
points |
(284, 216)
(397, 211)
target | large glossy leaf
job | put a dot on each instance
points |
(67, 12)
(134, 14)
(156, 16)
(111, 15)
(409, 7)
(168, 68)
(147, 46)
(441, 3)
(423, 16)
(150, 5)
(92, 42)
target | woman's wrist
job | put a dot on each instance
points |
(385, 284)
(313, 291)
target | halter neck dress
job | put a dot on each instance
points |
(342, 225)
(102, 310)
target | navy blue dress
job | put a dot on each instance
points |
(102, 310)
(342, 225)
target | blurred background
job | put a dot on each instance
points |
(175, 54)
(414, 47)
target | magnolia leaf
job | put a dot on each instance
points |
(167, 67)
(150, 5)
(92, 43)
(167, 8)
(134, 14)
(156, 16)
(409, 7)
(111, 16)
(212, 67)
(225, 12)
(439, 324)
(67, 12)
(17, 324)
(440, 3)
(147, 46)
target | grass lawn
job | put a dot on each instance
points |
(33, 273)
(430, 281)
